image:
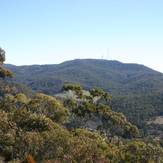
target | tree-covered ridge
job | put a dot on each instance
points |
(112, 76)
(40, 128)
(137, 90)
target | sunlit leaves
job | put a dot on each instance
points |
(49, 106)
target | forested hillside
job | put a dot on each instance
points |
(75, 126)
(113, 76)
(137, 90)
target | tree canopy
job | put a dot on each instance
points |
(3, 71)
(70, 129)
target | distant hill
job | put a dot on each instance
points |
(113, 76)
(137, 90)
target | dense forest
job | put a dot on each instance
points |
(112, 76)
(136, 89)
(74, 126)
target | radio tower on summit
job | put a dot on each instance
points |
(106, 56)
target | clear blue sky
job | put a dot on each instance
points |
(52, 31)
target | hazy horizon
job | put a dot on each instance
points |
(51, 32)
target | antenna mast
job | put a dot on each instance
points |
(108, 54)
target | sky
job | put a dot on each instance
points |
(53, 31)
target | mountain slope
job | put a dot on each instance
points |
(113, 76)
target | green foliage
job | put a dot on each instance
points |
(32, 122)
(70, 104)
(22, 98)
(2, 55)
(30, 131)
(141, 109)
(138, 151)
(49, 106)
(8, 87)
(3, 71)
(73, 87)
(7, 134)
(97, 92)
(91, 147)
(112, 123)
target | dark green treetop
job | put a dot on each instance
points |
(3, 71)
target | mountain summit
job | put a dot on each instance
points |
(113, 76)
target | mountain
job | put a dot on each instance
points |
(113, 76)
(137, 90)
